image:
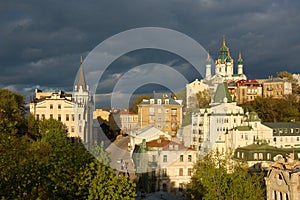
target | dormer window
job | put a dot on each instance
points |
(151, 101)
(167, 101)
(159, 101)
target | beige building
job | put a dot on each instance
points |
(104, 114)
(283, 180)
(162, 112)
(74, 110)
(55, 105)
(276, 88)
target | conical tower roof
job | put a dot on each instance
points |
(81, 78)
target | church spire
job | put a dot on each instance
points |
(81, 78)
(208, 60)
(223, 41)
(240, 60)
(208, 67)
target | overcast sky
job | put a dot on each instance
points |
(41, 41)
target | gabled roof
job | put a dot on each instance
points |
(221, 93)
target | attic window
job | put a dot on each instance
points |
(151, 101)
(166, 101)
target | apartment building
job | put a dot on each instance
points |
(162, 112)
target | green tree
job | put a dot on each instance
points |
(217, 177)
(12, 113)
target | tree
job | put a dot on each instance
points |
(203, 98)
(137, 101)
(12, 112)
(217, 177)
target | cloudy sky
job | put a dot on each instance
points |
(41, 41)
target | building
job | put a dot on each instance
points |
(283, 180)
(285, 134)
(129, 121)
(164, 165)
(210, 125)
(162, 112)
(191, 90)
(73, 110)
(103, 114)
(247, 91)
(276, 88)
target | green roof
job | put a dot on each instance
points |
(282, 124)
(243, 128)
(221, 93)
(253, 117)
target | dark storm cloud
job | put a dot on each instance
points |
(41, 41)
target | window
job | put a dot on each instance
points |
(261, 156)
(268, 156)
(164, 172)
(67, 117)
(43, 116)
(59, 117)
(165, 158)
(80, 129)
(51, 116)
(72, 129)
(166, 110)
(255, 156)
(79, 116)
(159, 101)
(166, 101)
(59, 106)
(159, 110)
(153, 158)
(180, 171)
(189, 158)
(37, 117)
(190, 171)
(73, 117)
(51, 106)
(181, 158)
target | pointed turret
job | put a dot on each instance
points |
(81, 78)
(208, 67)
(240, 64)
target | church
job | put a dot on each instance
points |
(224, 67)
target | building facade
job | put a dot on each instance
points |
(276, 88)
(162, 112)
(169, 165)
(129, 121)
(283, 180)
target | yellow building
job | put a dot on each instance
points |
(276, 88)
(162, 112)
(74, 110)
(55, 105)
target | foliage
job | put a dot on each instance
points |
(276, 110)
(203, 98)
(45, 164)
(217, 177)
(11, 112)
